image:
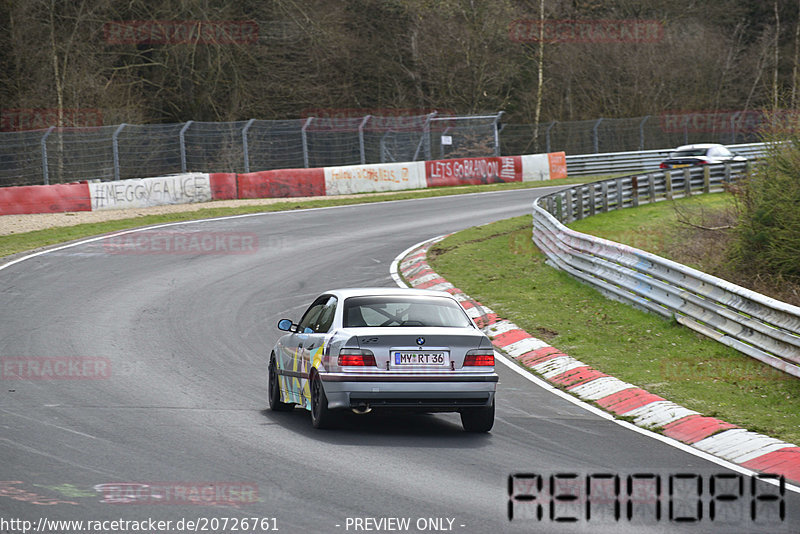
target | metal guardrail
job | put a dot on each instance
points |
(759, 326)
(640, 161)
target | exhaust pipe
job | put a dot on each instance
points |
(362, 409)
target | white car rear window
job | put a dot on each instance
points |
(385, 311)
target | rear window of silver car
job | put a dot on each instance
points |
(688, 153)
(388, 310)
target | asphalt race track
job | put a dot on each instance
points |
(182, 401)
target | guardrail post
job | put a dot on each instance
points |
(304, 139)
(45, 171)
(182, 140)
(687, 186)
(595, 136)
(620, 198)
(728, 172)
(115, 149)
(361, 138)
(635, 191)
(568, 216)
(592, 199)
(245, 146)
(668, 184)
(706, 179)
(560, 208)
(604, 204)
(651, 187)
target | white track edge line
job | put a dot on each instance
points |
(514, 366)
(243, 215)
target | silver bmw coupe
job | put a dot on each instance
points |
(379, 349)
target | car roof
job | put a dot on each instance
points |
(380, 291)
(698, 145)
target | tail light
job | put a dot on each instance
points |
(703, 162)
(479, 357)
(663, 166)
(356, 357)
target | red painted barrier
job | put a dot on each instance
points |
(223, 186)
(45, 199)
(282, 183)
(473, 171)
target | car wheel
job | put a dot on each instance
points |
(275, 403)
(321, 415)
(478, 419)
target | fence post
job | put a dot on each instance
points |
(182, 139)
(115, 149)
(45, 170)
(651, 186)
(641, 132)
(733, 126)
(592, 199)
(620, 197)
(635, 191)
(595, 135)
(604, 186)
(706, 179)
(245, 149)
(305, 140)
(361, 138)
(426, 135)
(547, 135)
(497, 134)
(441, 146)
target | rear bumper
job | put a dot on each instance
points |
(439, 392)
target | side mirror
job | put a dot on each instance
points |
(285, 325)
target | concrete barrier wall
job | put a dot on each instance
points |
(45, 199)
(373, 178)
(146, 192)
(202, 187)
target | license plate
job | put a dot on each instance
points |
(401, 357)
(681, 165)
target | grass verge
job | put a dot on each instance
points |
(498, 265)
(14, 243)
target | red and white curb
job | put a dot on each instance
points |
(715, 437)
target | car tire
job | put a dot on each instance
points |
(321, 415)
(274, 391)
(478, 419)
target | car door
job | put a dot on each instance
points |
(313, 344)
(306, 344)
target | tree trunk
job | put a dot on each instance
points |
(540, 68)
